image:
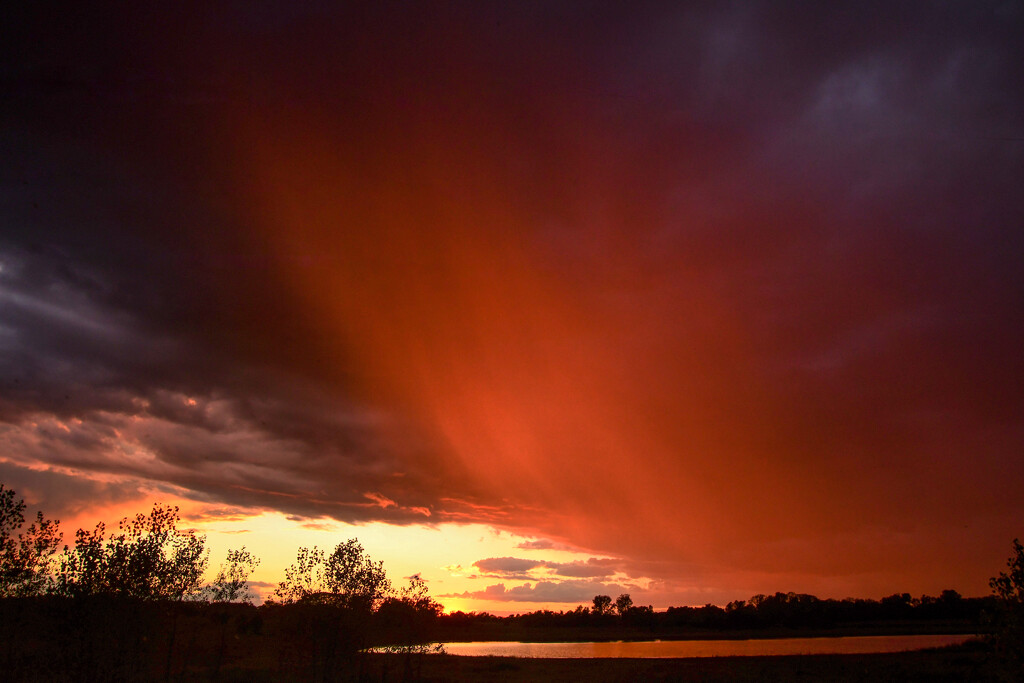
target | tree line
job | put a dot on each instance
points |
(761, 612)
(131, 605)
(1000, 615)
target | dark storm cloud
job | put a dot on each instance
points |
(843, 178)
(128, 287)
(60, 495)
(125, 315)
(868, 224)
(87, 387)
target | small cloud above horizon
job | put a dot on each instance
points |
(545, 544)
(544, 591)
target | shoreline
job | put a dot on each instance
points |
(958, 663)
(685, 649)
(600, 636)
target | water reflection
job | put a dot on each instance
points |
(706, 648)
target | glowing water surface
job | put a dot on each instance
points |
(706, 648)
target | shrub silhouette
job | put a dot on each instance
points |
(24, 560)
(1008, 588)
(327, 604)
(231, 584)
(347, 578)
(129, 606)
(149, 559)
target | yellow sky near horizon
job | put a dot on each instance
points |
(442, 554)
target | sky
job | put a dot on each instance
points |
(693, 301)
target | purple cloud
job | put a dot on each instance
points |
(545, 591)
(591, 568)
(507, 565)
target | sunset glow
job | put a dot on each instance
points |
(538, 303)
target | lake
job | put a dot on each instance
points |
(705, 648)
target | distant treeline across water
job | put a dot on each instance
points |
(948, 612)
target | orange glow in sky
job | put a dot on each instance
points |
(692, 302)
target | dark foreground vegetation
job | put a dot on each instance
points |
(131, 606)
(109, 638)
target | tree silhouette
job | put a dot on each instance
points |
(1008, 587)
(150, 559)
(602, 605)
(407, 623)
(330, 602)
(351, 573)
(348, 577)
(231, 584)
(24, 560)
(304, 578)
(416, 595)
(623, 604)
